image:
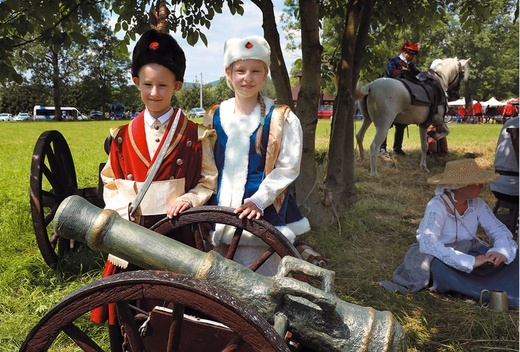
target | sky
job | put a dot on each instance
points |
(207, 61)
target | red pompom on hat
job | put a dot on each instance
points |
(412, 47)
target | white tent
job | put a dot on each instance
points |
(492, 103)
(459, 102)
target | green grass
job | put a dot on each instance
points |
(364, 247)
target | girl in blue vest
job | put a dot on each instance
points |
(258, 152)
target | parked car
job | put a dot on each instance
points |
(117, 111)
(5, 117)
(22, 116)
(197, 112)
(95, 115)
(132, 114)
(325, 111)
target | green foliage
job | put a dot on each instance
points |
(186, 17)
(22, 98)
(221, 91)
(189, 98)
(486, 32)
(89, 77)
(58, 25)
(55, 24)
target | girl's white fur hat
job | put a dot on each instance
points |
(253, 47)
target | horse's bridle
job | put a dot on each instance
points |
(454, 85)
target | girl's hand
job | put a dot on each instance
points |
(495, 258)
(249, 210)
(479, 260)
(178, 207)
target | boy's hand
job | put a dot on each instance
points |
(178, 207)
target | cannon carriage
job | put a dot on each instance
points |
(186, 299)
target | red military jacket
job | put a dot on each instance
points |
(130, 158)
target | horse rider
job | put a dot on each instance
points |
(397, 67)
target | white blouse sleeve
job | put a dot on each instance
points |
(287, 166)
(429, 236)
(502, 238)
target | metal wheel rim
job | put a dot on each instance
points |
(196, 294)
(225, 215)
(51, 160)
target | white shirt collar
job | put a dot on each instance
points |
(149, 119)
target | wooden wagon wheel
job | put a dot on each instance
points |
(247, 329)
(201, 219)
(53, 178)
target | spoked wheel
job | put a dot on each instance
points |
(202, 219)
(228, 323)
(53, 178)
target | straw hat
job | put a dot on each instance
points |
(462, 172)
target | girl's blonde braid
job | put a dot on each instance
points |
(258, 141)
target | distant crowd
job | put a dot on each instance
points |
(477, 113)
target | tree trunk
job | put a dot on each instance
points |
(279, 73)
(306, 185)
(340, 182)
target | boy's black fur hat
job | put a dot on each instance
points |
(159, 48)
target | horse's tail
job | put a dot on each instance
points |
(361, 96)
(362, 92)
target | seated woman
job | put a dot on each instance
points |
(448, 256)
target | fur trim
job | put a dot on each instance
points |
(286, 231)
(236, 158)
(300, 227)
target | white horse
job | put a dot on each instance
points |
(386, 100)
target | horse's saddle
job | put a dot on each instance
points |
(424, 90)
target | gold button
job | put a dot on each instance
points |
(179, 162)
(119, 140)
(130, 177)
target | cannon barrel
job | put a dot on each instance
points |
(317, 316)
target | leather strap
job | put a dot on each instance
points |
(132, 207)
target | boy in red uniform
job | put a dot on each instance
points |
(184, 175)
(187, 174)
